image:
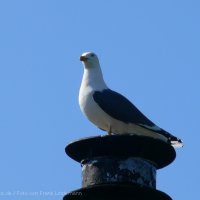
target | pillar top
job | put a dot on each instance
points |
(154, 150)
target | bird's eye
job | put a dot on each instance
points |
(92, 55)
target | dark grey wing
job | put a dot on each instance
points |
(119, 107)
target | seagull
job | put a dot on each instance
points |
(111, 111)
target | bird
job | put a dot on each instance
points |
(110, 110)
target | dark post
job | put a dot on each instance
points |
(120, 167)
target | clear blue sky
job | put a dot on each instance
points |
(149, 51)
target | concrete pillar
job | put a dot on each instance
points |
(120, 167)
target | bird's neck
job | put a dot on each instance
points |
(93, 78)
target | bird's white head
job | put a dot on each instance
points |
(92, 75)
(89, 59)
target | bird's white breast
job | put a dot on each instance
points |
(91, 109)
(93, 81)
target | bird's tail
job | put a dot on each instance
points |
(173, 140)
(176, 142)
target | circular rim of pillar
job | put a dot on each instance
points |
(117, 192)
(154, 150)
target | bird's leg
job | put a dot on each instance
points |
(109, 131)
